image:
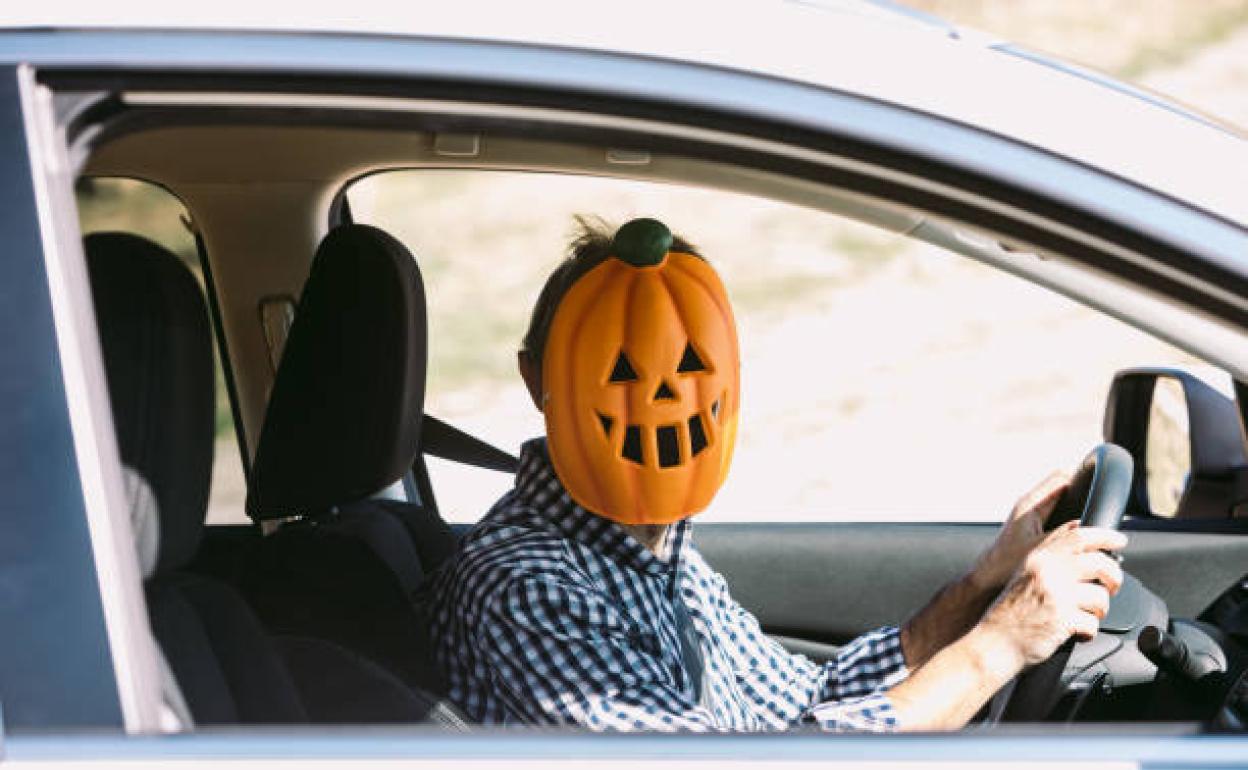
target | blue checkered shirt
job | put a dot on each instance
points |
(549, 614)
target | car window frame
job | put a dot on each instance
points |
(1118, 225)
(100, 671)
(1108, 218)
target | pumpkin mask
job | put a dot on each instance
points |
(641, 375)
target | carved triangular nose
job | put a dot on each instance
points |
(664, 393)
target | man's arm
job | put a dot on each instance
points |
(959, 605)
(1062, 590)
(946, 618)
(564, 656)
(845, 694)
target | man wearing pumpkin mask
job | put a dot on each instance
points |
(581, 600)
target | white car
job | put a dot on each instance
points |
(126, 619)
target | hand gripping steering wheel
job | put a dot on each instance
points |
(1097, 495)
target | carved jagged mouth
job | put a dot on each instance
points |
(666, 439)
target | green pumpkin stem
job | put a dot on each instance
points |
(642, 242)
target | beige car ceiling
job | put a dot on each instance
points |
(260, 197)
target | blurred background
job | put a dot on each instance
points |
(863, 351)
(1194, 51)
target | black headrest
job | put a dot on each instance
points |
(343, 420)
(158, 355)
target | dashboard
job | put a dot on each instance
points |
(1145, 666)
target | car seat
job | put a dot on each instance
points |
(343, 424)
(156, 342)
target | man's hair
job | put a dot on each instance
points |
(589, 248)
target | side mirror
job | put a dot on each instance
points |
(1183, 430)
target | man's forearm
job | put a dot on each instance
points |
(1062, 589)
(951, 613)
(955, 682)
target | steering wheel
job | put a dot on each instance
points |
(1097, 495)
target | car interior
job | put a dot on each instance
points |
(310, 608)
(231, 664)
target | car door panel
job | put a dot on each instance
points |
(56, 670)
(827, 583)
(818, 585)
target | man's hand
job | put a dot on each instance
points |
(960, 605)
(1022, 531)
(1062, 589)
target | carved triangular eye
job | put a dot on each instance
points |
(690, 362)
(623, 370)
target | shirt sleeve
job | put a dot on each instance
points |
(870, 663)
(563, 655)
(855, 682)
(846, 694)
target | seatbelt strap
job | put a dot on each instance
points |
(443, 440)
(690, 647)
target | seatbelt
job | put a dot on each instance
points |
(440, 439)
(690, 648)
(437, 438)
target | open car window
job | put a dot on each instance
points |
(885, 379)
(880, 374)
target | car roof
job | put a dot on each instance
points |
(866, 48)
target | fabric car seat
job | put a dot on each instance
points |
(343, 423)
(157, 350)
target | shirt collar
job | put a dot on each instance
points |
(539, 486)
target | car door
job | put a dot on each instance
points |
(815, 586)
(70, 604)
(352, 745)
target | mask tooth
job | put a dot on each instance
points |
(697, 435)
(668, 441)
(606, 423)
(632, 444)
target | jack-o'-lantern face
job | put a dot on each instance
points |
(641, 375)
